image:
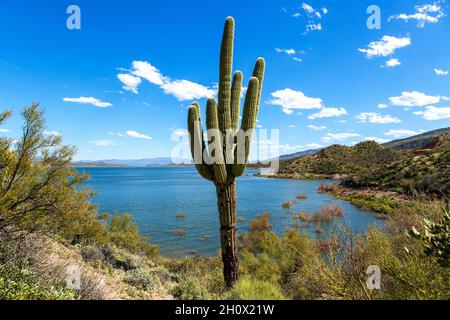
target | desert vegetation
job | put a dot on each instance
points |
(48, 225)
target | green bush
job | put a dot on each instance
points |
(125, 234)
(18, 283)
(92, 253)
(141, 278)
(191, 289)
(248, 288)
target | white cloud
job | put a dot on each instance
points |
(399, 133)
(393, 63)
(290, 99)
(339, 136)
(130, 83)
(308, 8)
(314, 146)
(103, 143)
(386, 46)
(187, 90)
(324, 10)
(146, 70)
(382, 106)
(415, 99)
(434, 113)
(373, 117)
(428, 13)
(289, 52)
(135, 134)
(297, 59)
(292, 126)
(440, 72)
(315, 128)
(180, 89)
(4, 130)
(311, 11)
(89, 100)
(378, 140)
(328, 113)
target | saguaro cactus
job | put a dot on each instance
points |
(228, 145)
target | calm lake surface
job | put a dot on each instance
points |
(154, 196)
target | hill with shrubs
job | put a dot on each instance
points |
(340, 160)
(390, 167)
(425, 170)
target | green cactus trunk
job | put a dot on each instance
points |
(226, 202)
(215, 163)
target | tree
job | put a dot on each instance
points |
(228, 146)
(38, 188)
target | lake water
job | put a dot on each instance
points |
(154, 196)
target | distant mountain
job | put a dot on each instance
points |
(298, 154)
(147, 162)
(418, 141)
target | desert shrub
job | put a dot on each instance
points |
(261, 223)
(123, 259)
(125, 234)
(288, 204)
(39, 189)
(17, 283)
(248, 288)
(92, 253)
(436, 237)
(191, 288)
(208, 269)
(141, 278)
(268, 257)
(302, 196)
(332, 211)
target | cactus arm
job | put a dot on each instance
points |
(236, 89)
(258, 72)
(196, 139)
(212, 123)
(248, 123)
(226, 67)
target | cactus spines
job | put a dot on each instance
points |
(225, 158)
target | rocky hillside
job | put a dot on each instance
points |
(426, 170)
(342, 160)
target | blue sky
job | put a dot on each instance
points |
(137, 65)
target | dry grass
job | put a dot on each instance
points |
(327, 214)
